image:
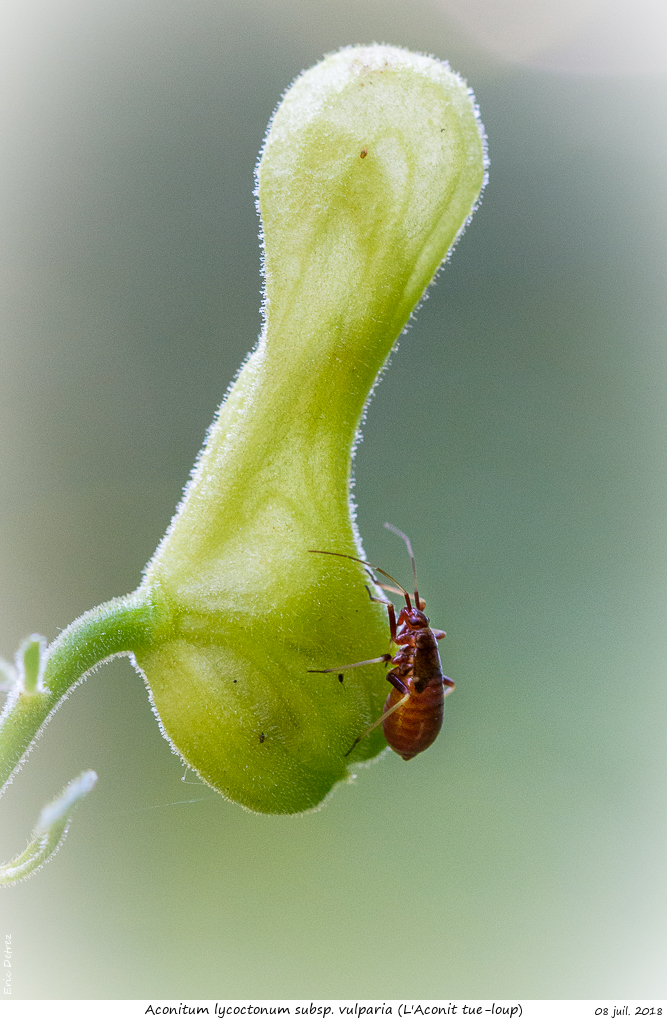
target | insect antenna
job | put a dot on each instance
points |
(385, 587)
(401, 534)
(388, 587)
(325, 552)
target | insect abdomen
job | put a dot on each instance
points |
(414, 726)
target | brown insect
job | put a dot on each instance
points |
(413, 711)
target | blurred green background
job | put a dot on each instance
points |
(519, 437)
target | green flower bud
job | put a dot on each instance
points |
(372, 164)
(50, 831)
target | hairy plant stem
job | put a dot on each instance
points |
(123, 626)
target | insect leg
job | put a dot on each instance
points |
(374, 598)
(365, 662)
(396, 682)
(385, 715)
(391, 612)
